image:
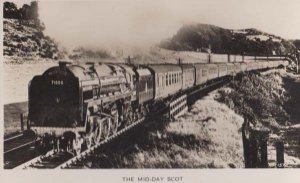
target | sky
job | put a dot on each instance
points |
(140, 23)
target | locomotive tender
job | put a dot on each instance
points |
(76, 106)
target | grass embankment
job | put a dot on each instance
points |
(207, 136)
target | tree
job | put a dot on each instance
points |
(10, 10)
(33, 14)
(25, 12)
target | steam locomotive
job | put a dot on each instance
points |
(74, 106)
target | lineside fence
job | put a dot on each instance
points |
(255, 143)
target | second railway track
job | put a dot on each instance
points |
(18, 149)
(17, 142)
(60, 159)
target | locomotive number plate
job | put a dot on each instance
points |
(57, 82)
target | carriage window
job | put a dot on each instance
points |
(167, 80)
(173, 79)
(170, 79)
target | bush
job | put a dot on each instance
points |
(258, 98)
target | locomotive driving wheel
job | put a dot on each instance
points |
(101, 130)
(129, 115)
(106, 126)
(115, 119)
(98, 132)
(77, 144)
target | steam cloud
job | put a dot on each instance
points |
(106, 24)
(143, 23)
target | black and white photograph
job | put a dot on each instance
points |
(131, 84)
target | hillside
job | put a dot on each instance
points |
(25, 39)
(199, 37)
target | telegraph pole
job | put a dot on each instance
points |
(297, 58)
(297, 67)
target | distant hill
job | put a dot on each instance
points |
(296, 42)
(201, 37)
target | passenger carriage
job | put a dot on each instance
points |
(145, 85)
(222, 70)
(188, 76)
(201, 73)
(244, 67)
(167, 79)
(231, 69)
(237, 68)
(213, 71)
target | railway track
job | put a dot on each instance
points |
(60, 160)
(18, 149)
(17, 142)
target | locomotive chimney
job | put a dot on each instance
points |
(179, 61)
(128, 60)
(63, 65)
